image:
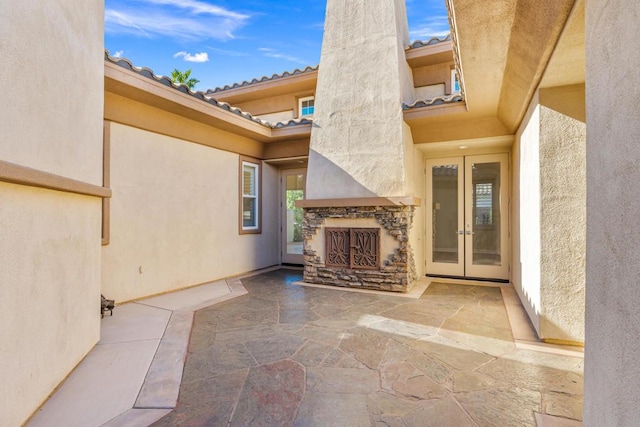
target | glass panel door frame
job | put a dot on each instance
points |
(290, 221)
(433, 265)
(472, 227)
(464, 267)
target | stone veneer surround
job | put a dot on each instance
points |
(397, 270)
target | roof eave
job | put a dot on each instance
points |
(434, 110)
(132, 85)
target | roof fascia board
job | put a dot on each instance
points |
(173, 101)
(419, 54)
(255, 88)
(296, 131)
(435, 110)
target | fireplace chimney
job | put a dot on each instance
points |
(360, 203)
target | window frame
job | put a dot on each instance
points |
(454, 77)
(303, 99)
(257, 165)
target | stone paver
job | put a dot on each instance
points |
(291, 355)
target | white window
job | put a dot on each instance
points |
(250, 197)
(455, 82)
(306, 106)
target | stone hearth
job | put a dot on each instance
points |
(394, 268)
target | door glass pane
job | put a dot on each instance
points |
(486, 213)
(294, 191)
(445, 213)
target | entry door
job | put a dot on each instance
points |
(468, 217)
(293, 185)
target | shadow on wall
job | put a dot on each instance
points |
(325, 179)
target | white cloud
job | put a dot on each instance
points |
(118, 54)
(182, 19)
(272, 53)
(434, 26)
(198, 57)
(198, 7)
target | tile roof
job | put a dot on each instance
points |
(262, 79)
(146, 72)
(439, 100)
(433, 40)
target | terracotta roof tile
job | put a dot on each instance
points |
(439, 100)
(146, 72)
(263, 79)
(433, 40)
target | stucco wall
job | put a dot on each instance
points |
(434, 75)
(417, 236)
(52, 55)
(612, 372)
(275, 103)
(357, 142)
(562, 225)
(280, 116)
(549, 221)
(429, 92)
(51, 120)
(526, 213)
(174, 216)
(50, 281)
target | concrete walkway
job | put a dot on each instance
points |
(132, 377)
(268, 350)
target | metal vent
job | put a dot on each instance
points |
(355, 248)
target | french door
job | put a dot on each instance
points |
(293, 186)
(467, 216)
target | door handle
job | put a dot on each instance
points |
(469, 232)
(460, 232)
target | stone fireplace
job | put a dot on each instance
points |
(359, 246)
(359, 205)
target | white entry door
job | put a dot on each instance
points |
(293, 185)
(467, 217)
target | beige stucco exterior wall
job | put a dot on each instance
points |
(50, 120)
(50, 281)
(174, 216)
(430, 92)
(562, 224)
(612, 372)
(357, 141)
(274, 104)
(55, 88)
(549, 221)
(434, 74)
(280, 116)
(417, 235)
(525, 228)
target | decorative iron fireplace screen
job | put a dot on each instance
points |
(356, 248)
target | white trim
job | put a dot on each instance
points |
(300, 101)
(255, 196)
(454, 73)
(286, 257)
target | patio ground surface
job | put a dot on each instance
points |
(286, 354)
(267, 350)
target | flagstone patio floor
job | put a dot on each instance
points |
(292, 355)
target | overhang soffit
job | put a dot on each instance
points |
(536, 29)
(482, 33)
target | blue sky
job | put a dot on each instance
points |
(228, 41)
